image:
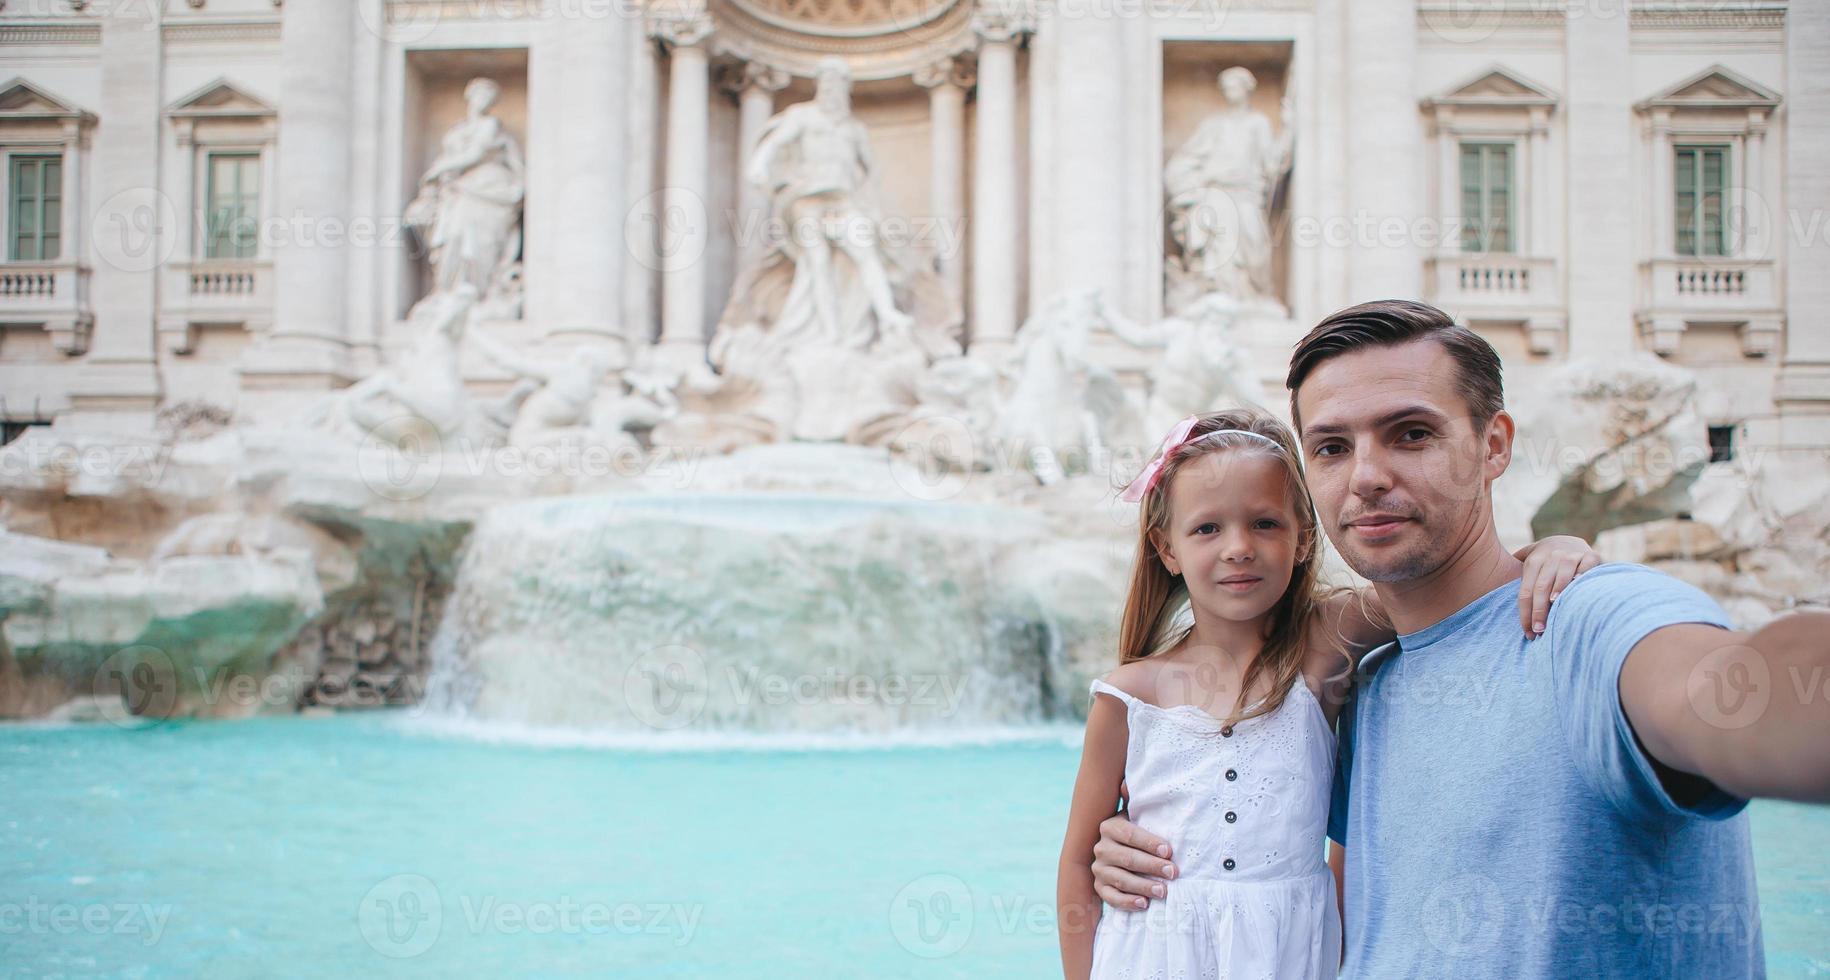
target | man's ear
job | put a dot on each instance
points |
(1500, 433)
(1160, 542)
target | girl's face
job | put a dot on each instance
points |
(1232, 533)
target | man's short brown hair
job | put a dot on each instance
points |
(1390, 322)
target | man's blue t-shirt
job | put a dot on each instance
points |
(1502, 820)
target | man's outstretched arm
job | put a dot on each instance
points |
(1129, 863)
(1749, 712)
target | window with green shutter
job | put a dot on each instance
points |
(1701, 200)
(234, 202)
(36, 200)
(1486, 197)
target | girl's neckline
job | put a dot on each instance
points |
(1202, 714)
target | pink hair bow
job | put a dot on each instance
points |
(1147, 479)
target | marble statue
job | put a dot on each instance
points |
(424, 385)
(1204, 365)
(830, 279)
(468, 212)
(1220, 185)
(564, 401)
(828, 328)
(1062, 399)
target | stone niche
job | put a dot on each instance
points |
(895, 112)
(434, 102)
(1191, 93)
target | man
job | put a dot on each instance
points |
(1570, 807)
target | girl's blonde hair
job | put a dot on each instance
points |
(1157, 617)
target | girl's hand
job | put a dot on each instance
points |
(1550, 565)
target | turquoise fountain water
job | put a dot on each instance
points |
(367, 846)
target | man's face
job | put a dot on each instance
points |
(1399, 473)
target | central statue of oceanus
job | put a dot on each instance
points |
(830, 276)
(827, 330)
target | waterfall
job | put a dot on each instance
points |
(784, 613)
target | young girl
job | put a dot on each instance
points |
(1221, 723)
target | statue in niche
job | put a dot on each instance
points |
(827, 328)
(468, 211)
(832, 279)
(1220, 187)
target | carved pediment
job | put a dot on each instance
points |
(1714, 88)
(1495, 87)
(220, 100)
(20, 99)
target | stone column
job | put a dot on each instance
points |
(994, 200)
(755, 85)
(1538, 187)
(1383, 131)
(1756, 211)
(946, 81)
(1448, 190)
(1090, 151)
(577, 139)
(309, 345)
(131, 231)
(1602, 261)
(1664, 234)
(685, 222)
(1803, 391)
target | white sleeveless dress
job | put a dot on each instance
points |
(1246, 816)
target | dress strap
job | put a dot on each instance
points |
(1101, 687)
